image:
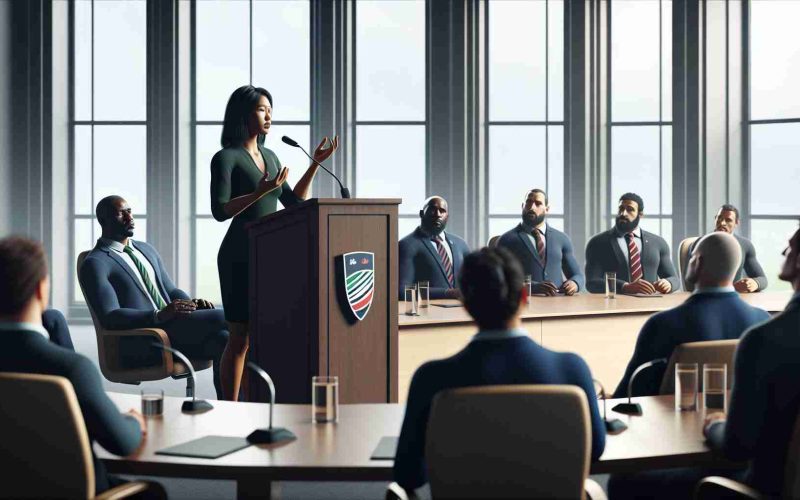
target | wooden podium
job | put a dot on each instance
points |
(302, 321)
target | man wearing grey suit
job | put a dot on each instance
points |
(545, 253)
(750, 277)
(640, 259)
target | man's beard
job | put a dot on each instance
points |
(430, 228)
(531, 219)
(627, 226)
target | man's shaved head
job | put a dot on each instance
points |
(716, 258)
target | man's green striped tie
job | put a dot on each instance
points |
(151, 289)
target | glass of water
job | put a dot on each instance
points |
(410, 296)
(611, 285)
(715, 386)
(528, 287)
(152, 402)
(686, 386)
(324, 399)
(424, 294)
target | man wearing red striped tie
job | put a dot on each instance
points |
(640, 259)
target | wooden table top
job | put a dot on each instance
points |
(581, 305)
(341, 451)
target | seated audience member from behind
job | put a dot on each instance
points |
(765, 399)
(714, 311)
(128, 287)
(500, 353)
(750, 276)
(545, 252)
(430, 254)
(25, 348)
(639, 258)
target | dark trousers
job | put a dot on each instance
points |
(199, 335)
(56, 325)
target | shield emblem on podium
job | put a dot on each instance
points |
(359, 281)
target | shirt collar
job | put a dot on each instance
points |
(636, 232)
(500, 334)
(112, 244)
(713, 289)
(28, 327)
(529, 229)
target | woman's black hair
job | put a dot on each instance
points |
(491, 282)
(241, 103)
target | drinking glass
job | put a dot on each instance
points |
(686, 386)
(324, 399)
(611, 285)
(410, 297)
(715, 385)
(528, 287)
(152, 402)
(424, 294)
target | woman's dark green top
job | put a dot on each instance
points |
(233, 174)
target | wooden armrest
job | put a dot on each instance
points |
(715, 487)
(157, 334)
(124, 491)
(593, 490)
(396, 492)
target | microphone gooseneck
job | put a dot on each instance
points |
(614, 426)
(195, 405)
(291, 142)
(630, 408)
(269, 435)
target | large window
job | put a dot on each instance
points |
(641, 109)
(774, 130)
(525, 98)
(390, 104)
(109, 116)
(258, 42)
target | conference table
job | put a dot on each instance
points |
(602, 331)
(660, 438)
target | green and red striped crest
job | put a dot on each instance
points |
(359, 281)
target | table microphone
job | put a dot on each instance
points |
(195, 405)
(291, 142)
(635, 408)
(271, 434)
(614, 426)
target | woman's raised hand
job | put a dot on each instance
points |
(326, 149)
(266, 185)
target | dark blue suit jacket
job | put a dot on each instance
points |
(420, 261)
(30, 352)
(558, 249)
(603, 255)
(517, 360)
(765, 399)
(704, 316)
(114, 292)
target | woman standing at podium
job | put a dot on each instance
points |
(247, 180)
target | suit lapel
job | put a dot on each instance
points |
(456, 257)
(153, 263)
(116, 258)
(549, 248)
(428, 244)
(622, 262)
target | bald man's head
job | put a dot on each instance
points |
(434, 215)
(716, 258)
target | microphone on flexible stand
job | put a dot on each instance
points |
(291, 142)
(614, 426)
(195, 405)
(270, 434)
(635, 408)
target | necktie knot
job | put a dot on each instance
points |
(629, 236)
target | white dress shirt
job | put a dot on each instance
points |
(441, 237)
(623, 244)
(543, 229)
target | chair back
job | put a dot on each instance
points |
(711, 351)
(683, 260)
(45, 447)
(512, 441)
(492, 243)
(108, 367)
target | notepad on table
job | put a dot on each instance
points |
(206, 447)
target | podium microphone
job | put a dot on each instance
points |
(271, 434)
(291, 142)
(614, 426)
(635, 408)
(195, 405)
